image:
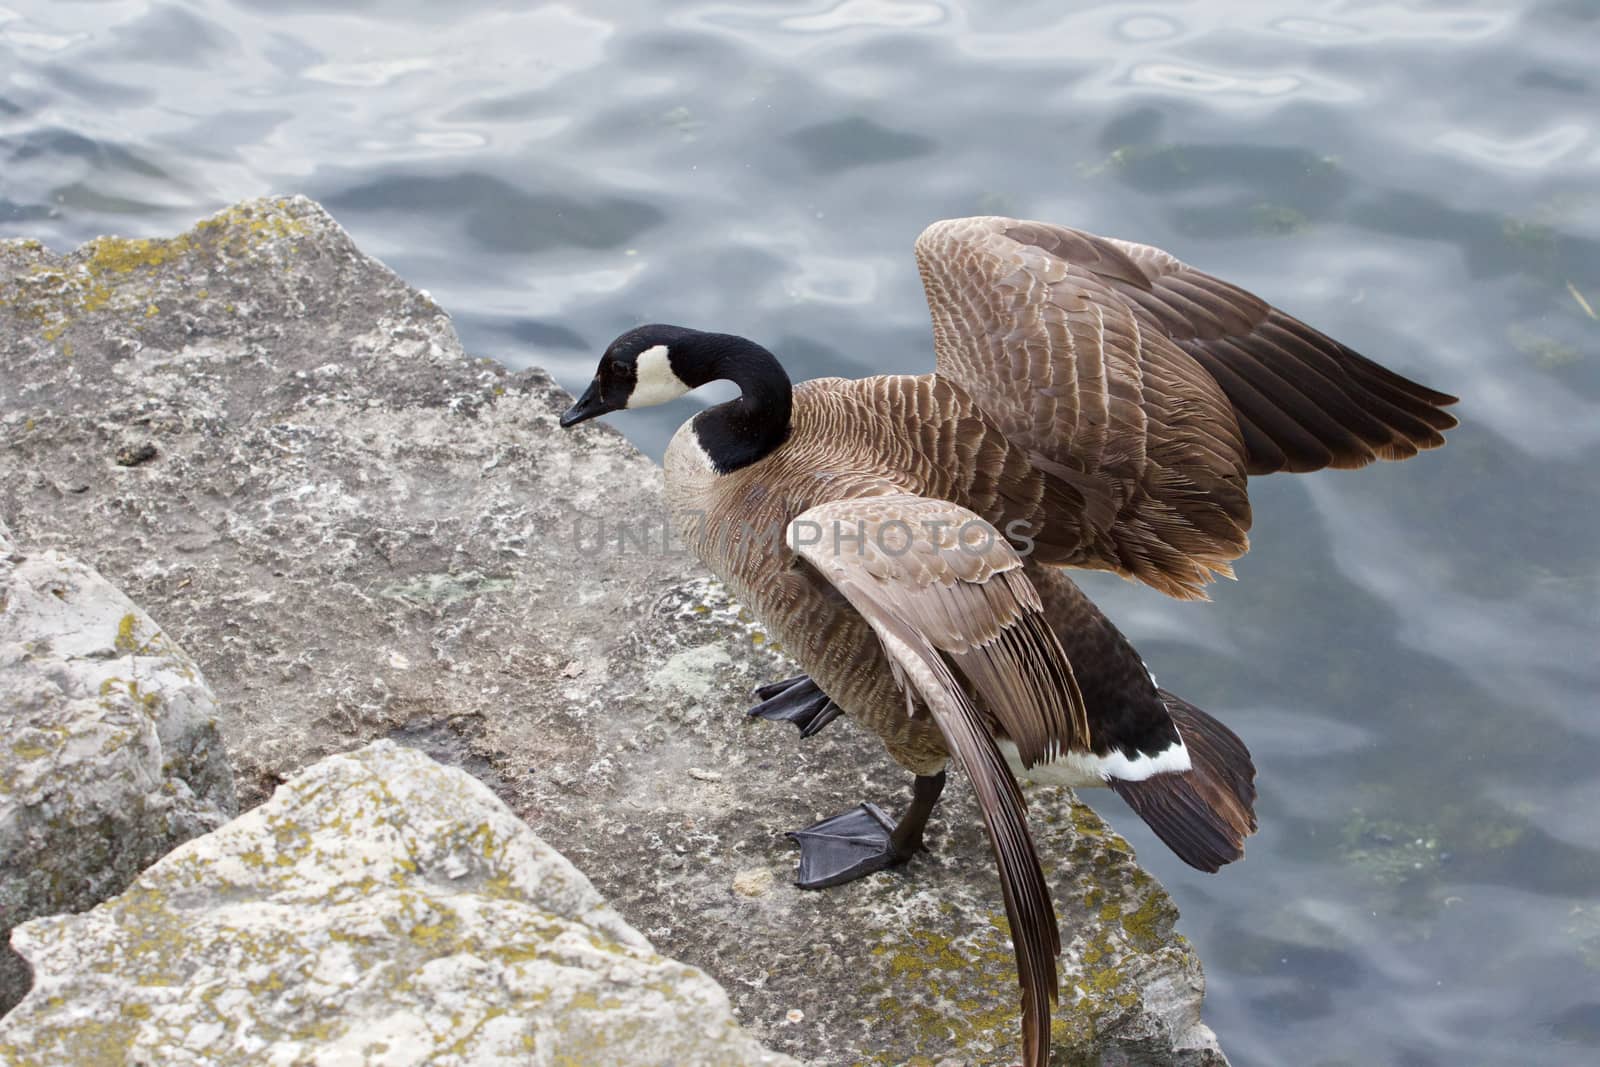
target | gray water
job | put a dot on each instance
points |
(1411, 651)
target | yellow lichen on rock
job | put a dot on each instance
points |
(123, 255)
(118, 274)
(127, 641)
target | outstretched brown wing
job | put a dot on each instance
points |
(947, 596)
(1119, 363)
(1304, 401)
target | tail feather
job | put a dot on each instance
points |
(1205, 813)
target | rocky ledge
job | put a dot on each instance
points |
(378, 909)
(111, 754)
(360, 533)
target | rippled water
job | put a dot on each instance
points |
(1412, 650)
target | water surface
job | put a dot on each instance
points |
(1412, 649)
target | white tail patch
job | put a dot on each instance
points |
(1082, 770)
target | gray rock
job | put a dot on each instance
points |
(362, 533)
(379, 909)
(111, 755)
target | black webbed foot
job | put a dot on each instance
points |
(796, 700)
(864, 839)
(772, 689)
(846, 847)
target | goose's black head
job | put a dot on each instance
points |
(654, 364)
(647, 365)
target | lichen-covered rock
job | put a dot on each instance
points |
(379, 909)
(109, 750)
(362, 533)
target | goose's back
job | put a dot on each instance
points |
(916, 434)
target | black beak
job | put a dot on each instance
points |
(588, 406)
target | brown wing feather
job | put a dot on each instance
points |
(946, 595)
(948, 573)
(1166, 384)
(1320, 403)
(1035, 937)
(1071, 371)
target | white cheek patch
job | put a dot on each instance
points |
(656, 383)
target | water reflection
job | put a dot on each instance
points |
(865, 13)
(1190, 80)
(1410, 650)
(1532, 151)
(1395, 22)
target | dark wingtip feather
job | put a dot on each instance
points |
(1174, 809)
(1320, 403)
(1205, 813)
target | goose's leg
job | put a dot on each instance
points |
(864, 839)
(796, 700)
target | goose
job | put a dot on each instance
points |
(1095, 403)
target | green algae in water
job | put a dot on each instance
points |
(1389, 851)
(1278, 220)
(1546, 352)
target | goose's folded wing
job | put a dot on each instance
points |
(947, 596)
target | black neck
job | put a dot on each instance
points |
(742, 431)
